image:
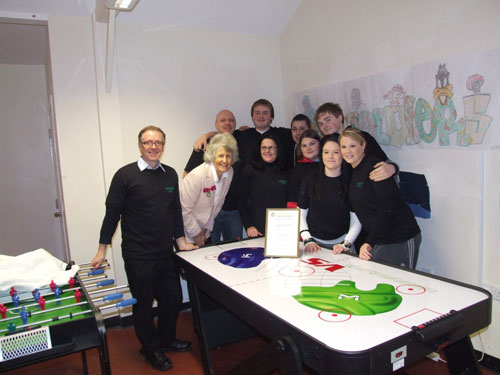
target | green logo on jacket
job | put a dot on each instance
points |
(283, 182)
(169, 189)
(359, 184)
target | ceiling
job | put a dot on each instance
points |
(24, 43)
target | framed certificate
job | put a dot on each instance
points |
(282, 232)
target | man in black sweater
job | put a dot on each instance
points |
(145, 195)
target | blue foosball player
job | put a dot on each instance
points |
(24, 315)
(57, 293)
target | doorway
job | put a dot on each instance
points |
(31, 205)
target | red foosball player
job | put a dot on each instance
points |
(12, 291)
(41, 303)
(71, 282)
(52, 285)
(3, 311)
(78, 296)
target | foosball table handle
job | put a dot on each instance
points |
(98, 271)
(126, 302)
(106, 282)
(112, 297)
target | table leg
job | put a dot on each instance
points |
(461, 358)
(281, 354)
(194, 297)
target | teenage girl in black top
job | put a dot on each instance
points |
(325, 211)
(393, 234)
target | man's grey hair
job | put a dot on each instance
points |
(221, 140)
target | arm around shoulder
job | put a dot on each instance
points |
(201, 143)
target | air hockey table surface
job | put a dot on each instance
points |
(337, 309)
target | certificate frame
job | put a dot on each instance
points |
(282, 232)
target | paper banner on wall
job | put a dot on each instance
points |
(447, 104)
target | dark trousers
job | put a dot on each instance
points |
(403, 254)
(228, 225)
(154, 280)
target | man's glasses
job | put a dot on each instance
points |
(151, 143)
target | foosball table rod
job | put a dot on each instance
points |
(99, 291)
(124, 303)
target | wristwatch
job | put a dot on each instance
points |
(346, 244)
(309, 240)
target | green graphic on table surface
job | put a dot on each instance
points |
(345, 298)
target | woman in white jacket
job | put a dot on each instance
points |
(204, 189)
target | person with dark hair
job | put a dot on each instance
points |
(145, 196)
(330, 119)
(263, 184)
(300, 123)
(393, 234)
(306, 164)
(204, 189)
(326, 217)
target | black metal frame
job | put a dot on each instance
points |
(447, 334)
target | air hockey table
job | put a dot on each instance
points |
(336, 314)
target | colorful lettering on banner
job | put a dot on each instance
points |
(378, 120)
(407, 119)
(423, 114)
(476, 119)
(396, 124)
(412, 137)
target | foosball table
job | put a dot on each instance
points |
(58, 320)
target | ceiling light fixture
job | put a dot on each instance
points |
(123, 5)
(106, 11)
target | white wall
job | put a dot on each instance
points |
(79, 139)
(332, 41)
(178, 79)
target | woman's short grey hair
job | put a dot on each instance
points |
(221, 140)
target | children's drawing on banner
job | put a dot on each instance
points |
(398, 114)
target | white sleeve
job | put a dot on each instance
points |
(189, 193)
(354, 228)
(304, 228)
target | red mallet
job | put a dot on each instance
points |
(12, 291)
(71, 282)
(78, 296)
(52, 285)
(3, 311)
(41, 303)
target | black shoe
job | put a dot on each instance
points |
(157, 360)
(176, 346)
